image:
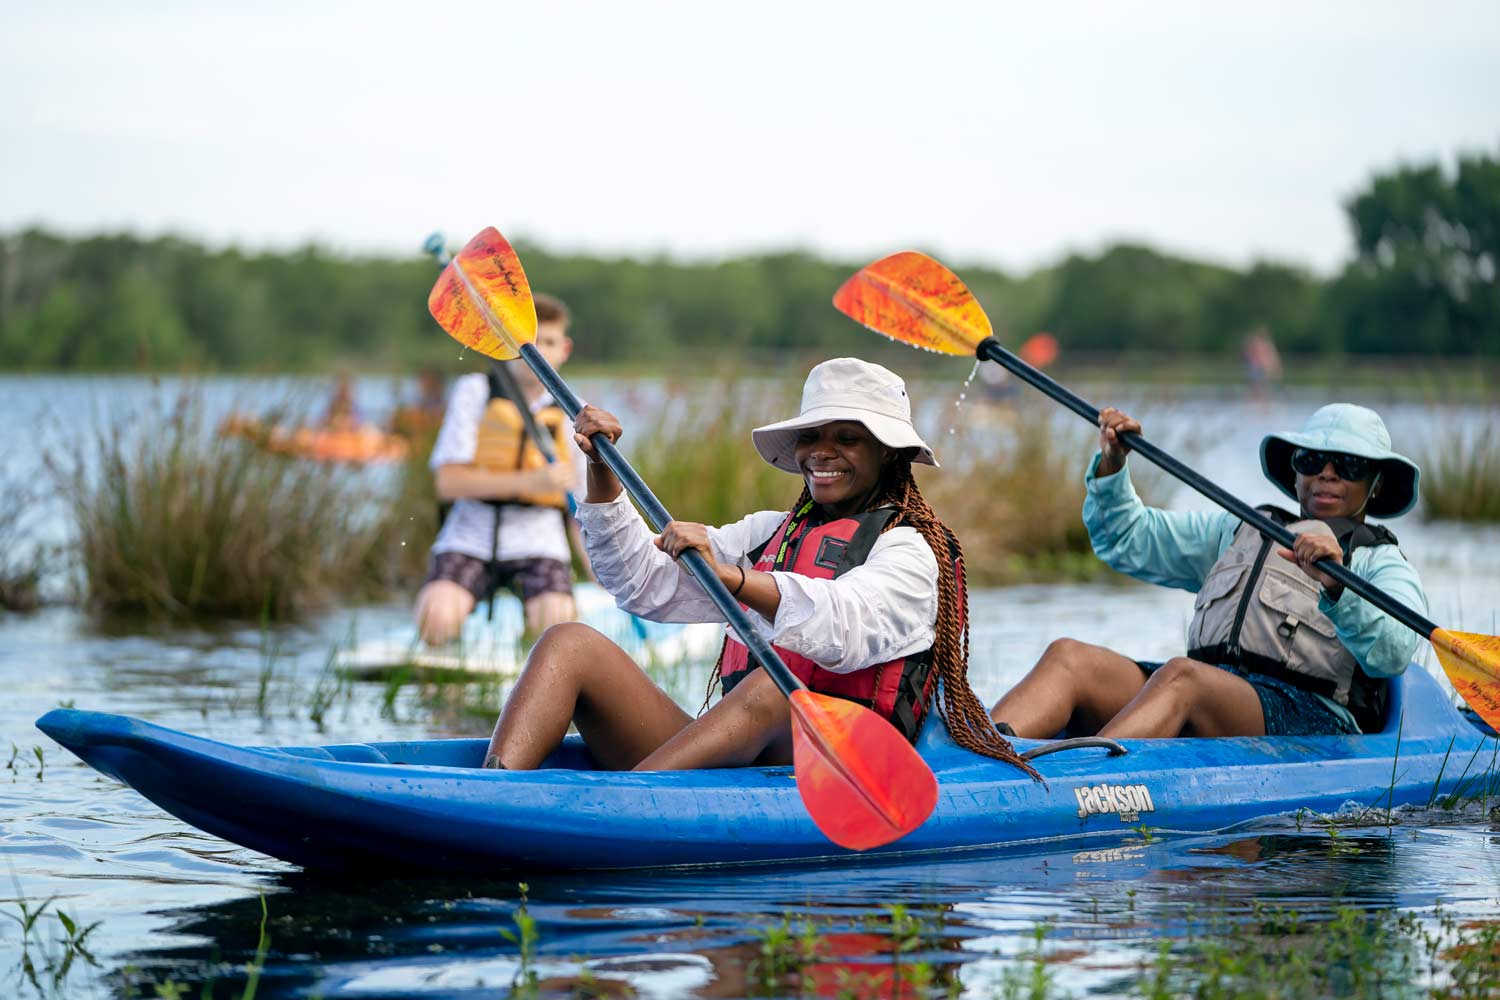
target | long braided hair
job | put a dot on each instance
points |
(962, 712)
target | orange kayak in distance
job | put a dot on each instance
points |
(363, 444)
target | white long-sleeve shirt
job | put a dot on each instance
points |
(881, 610)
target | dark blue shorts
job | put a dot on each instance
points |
(1288, 710)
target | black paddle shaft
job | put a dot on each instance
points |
(990, 349)
(658, 517)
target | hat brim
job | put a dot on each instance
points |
(777, 443)
(1399, 475)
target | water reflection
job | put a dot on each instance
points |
(876, 930)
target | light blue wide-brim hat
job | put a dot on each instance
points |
(1353, 430)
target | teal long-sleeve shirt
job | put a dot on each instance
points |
(1177, 548)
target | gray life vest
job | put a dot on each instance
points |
(1259, 612)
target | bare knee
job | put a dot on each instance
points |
(1063, 656)
(1180, 677)
(759, 702)
(546, 610)
(568, 640)
(442, 607)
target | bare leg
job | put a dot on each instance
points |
(1074, 684)
(576, 675)
(751, 724)
(546, 610)
(442, 606)
(1188, 698)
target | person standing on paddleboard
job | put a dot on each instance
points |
(1276, 646)
(859, 586)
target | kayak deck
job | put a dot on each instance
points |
(427, 805)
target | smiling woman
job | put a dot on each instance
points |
(860, 586)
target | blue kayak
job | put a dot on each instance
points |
(427, 805)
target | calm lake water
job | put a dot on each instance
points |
(170, 905)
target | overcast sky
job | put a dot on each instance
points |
(989, 132)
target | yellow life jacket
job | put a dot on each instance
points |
(504, 447)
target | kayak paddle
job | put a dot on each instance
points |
(861, 782)
(433, 245)
(912, 298)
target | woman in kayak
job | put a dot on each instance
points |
(859, 586)
(1276, 646)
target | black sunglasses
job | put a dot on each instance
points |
(1354, 468)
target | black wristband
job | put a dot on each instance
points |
(739, 586)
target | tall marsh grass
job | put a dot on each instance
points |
(20, 559)
(1011, 489)
(697, 457)
(172, 521)
(1461, 473)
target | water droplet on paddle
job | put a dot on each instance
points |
(963, 394)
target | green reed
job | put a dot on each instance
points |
(20, 562)
(697, 457)
(406, 522)
(44, 963)
(1461, 473)
(172, 521)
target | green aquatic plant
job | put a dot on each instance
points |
(784, 949)
(45, 963)
(697, 456)
(27, 915)
(525, 938)
(270, 656)
(256, 965)
(1031, 978)
(171, 989)
(173, 521)
(328, 686)
(21, 560)
(1011, 488)
(36, 752)
(1461, 472)
(1479, 787)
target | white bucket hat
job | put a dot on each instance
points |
(846, 389)
(1353, 430)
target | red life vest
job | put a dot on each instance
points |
(899, 690)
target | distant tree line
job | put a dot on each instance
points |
(1423, 282)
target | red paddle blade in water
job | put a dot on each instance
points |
(863, 784)
(912, 298)
(483, 299)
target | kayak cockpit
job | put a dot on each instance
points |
(1417, 704)
(572, 755)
